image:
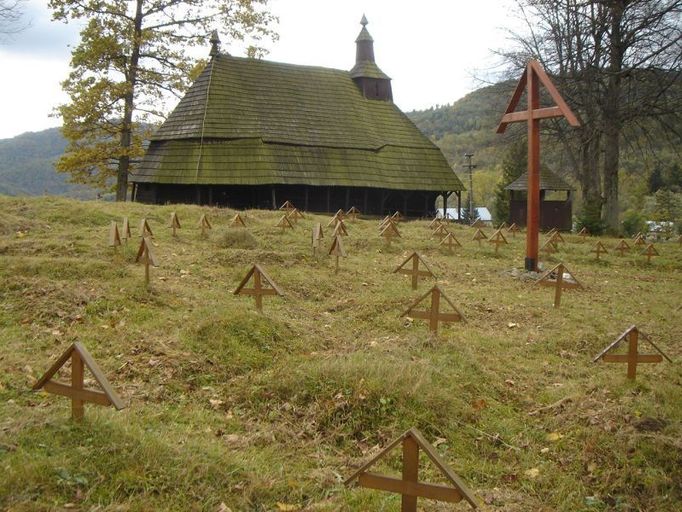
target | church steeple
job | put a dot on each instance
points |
(373, 82)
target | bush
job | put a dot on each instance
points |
(633, 222)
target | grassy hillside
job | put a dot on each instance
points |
(234, 410)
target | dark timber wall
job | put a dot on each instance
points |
(370, 201)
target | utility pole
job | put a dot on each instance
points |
(470, 166)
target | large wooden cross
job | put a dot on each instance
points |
(633, 356)
(530, 82)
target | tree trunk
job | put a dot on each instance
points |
(129, 105)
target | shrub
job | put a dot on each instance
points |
(633, 222)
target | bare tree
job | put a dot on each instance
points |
(618, 63)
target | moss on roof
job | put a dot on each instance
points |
(266, 123)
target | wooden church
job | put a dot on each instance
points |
(251, 134)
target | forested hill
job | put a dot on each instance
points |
(27, 166)
(468, 125)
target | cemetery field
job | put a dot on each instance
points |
(230, 409)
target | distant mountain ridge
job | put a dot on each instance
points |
(27, 166)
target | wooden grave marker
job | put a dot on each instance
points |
(633, 356)
(599, 249)
(204, 224)
(548, 248)
(409, 485)
(287, 205)
(174, 223)
(125, 230)
(450, 241)
(435, 222)
(414, 271)
(513, 229)
(145, 254)
(335, 220)
(649, 252)
(385, 221)
(317, 237)
(397, 217)
(504, 225)
(340, 229)
(353, 214)
(637, 235)
(478, 236)
(294, 215)
(237, 221)
(639, 240)
(555, 237)
(433, 314)
(336, 249)
(389, 232)
(441, 231)
(284, 223)
(77, 392)
(114, 236)
(478, 223)
(145, 229)
(530, 82)
(622, 247)
(260, 278)
(559, 277)
(498, 239)
(583, 232)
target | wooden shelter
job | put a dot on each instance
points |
(250, 133)
(555, 212)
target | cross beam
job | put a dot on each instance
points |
(530, 82)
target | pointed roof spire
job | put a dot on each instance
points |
(364, 21)
(215, 44)
(364, 33)
(364, 56)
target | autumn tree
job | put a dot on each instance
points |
(617, 63)
(133, 55)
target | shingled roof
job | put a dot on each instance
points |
(548, 181)
(253, 122)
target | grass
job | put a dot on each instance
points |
(231, 409)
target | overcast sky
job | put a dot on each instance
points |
(434, 50)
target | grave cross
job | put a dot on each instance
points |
(440, 231)
(649, 252)
(174, 222)
(337, 250)
(478, 236)
(513, 229)
(435, 222)
(79, 394)
(559, 277)
(498, 239)
(409, 485)
(633, 356)
(450, 242)
(237, 221)
(414, 272)
(583, 232)
(284, 223)
(340, 229)
(639, 240)
(125, 230)
(114, 236)
(397, 217)
(145, 230)
(433, 315)
(318, 235)
(599, 249)
(288, 205)
(258, 291)
(530, 82)
(146, 256)
(353, 213)
(204, 224)
(389, 232)
(622, 247)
